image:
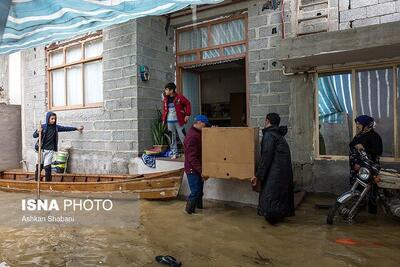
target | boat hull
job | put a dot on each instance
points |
(163, 185)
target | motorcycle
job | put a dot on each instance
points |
(388, 186)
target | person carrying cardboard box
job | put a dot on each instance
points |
(193, 166)
(274, 173)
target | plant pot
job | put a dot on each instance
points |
(161, 148)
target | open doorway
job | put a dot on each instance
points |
(219, 91)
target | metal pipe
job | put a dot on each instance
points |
(295, 73)
(283, 20)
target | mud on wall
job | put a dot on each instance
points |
(10, 132)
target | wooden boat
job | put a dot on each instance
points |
(160, 185)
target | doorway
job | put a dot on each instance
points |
(218, 91)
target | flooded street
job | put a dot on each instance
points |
(220, 235)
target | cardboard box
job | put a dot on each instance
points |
(230, 152)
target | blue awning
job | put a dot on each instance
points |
(31, 23)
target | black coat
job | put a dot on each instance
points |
(372, 143)
(275, 171)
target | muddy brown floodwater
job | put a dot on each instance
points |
(220, 235)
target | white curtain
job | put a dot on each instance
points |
(74, 85)
(229, 32)
(56, 58)
(58, 88)
(93, 48)
(234, 50)
(73, 54)
(211, 54)
(93, 81)
(225, 33)
(193, 39)
(187, 58)
(374, 97)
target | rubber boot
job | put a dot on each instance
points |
(47, 170)
(272, 220)
(199, 203)
(190, 206)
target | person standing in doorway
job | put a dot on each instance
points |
(50, 132)
(274, 173)
(193, 166)
(176, 113)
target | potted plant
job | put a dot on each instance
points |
(159, 131)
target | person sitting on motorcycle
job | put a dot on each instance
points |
(370, 141)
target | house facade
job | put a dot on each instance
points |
(316, 63)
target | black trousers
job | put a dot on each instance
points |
(47, 170)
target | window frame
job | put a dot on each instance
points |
(198, 51)
(395, 65)
(64, 46)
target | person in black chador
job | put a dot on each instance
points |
(368, 140)
(274, 172)
(50, 132)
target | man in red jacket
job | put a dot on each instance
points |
(176, 113)
(193, 164)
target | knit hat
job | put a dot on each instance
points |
(365, 121)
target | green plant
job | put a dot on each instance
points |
(159, 131)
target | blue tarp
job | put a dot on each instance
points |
(32, 23)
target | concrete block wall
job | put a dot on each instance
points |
(110, 137)
(269, 88)
(330, 23)
(4, 79)
(33, 63)
(10, 141)
(155, 49)
(272, 91)
(360, 13)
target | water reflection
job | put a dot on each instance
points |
(220, 235)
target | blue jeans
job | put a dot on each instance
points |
(196, 186)
(175, 129)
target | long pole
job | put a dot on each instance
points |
(39, 160)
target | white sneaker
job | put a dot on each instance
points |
(174, 157)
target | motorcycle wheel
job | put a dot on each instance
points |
(340, 209)
(332, 212)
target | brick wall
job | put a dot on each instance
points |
(111, 137)
(359, 13)
(269, 88)
(155, 47)
(33, 63)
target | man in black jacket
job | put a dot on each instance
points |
(370, 141)
(274, 172)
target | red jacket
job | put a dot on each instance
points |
(182, 106)
(192, 145)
